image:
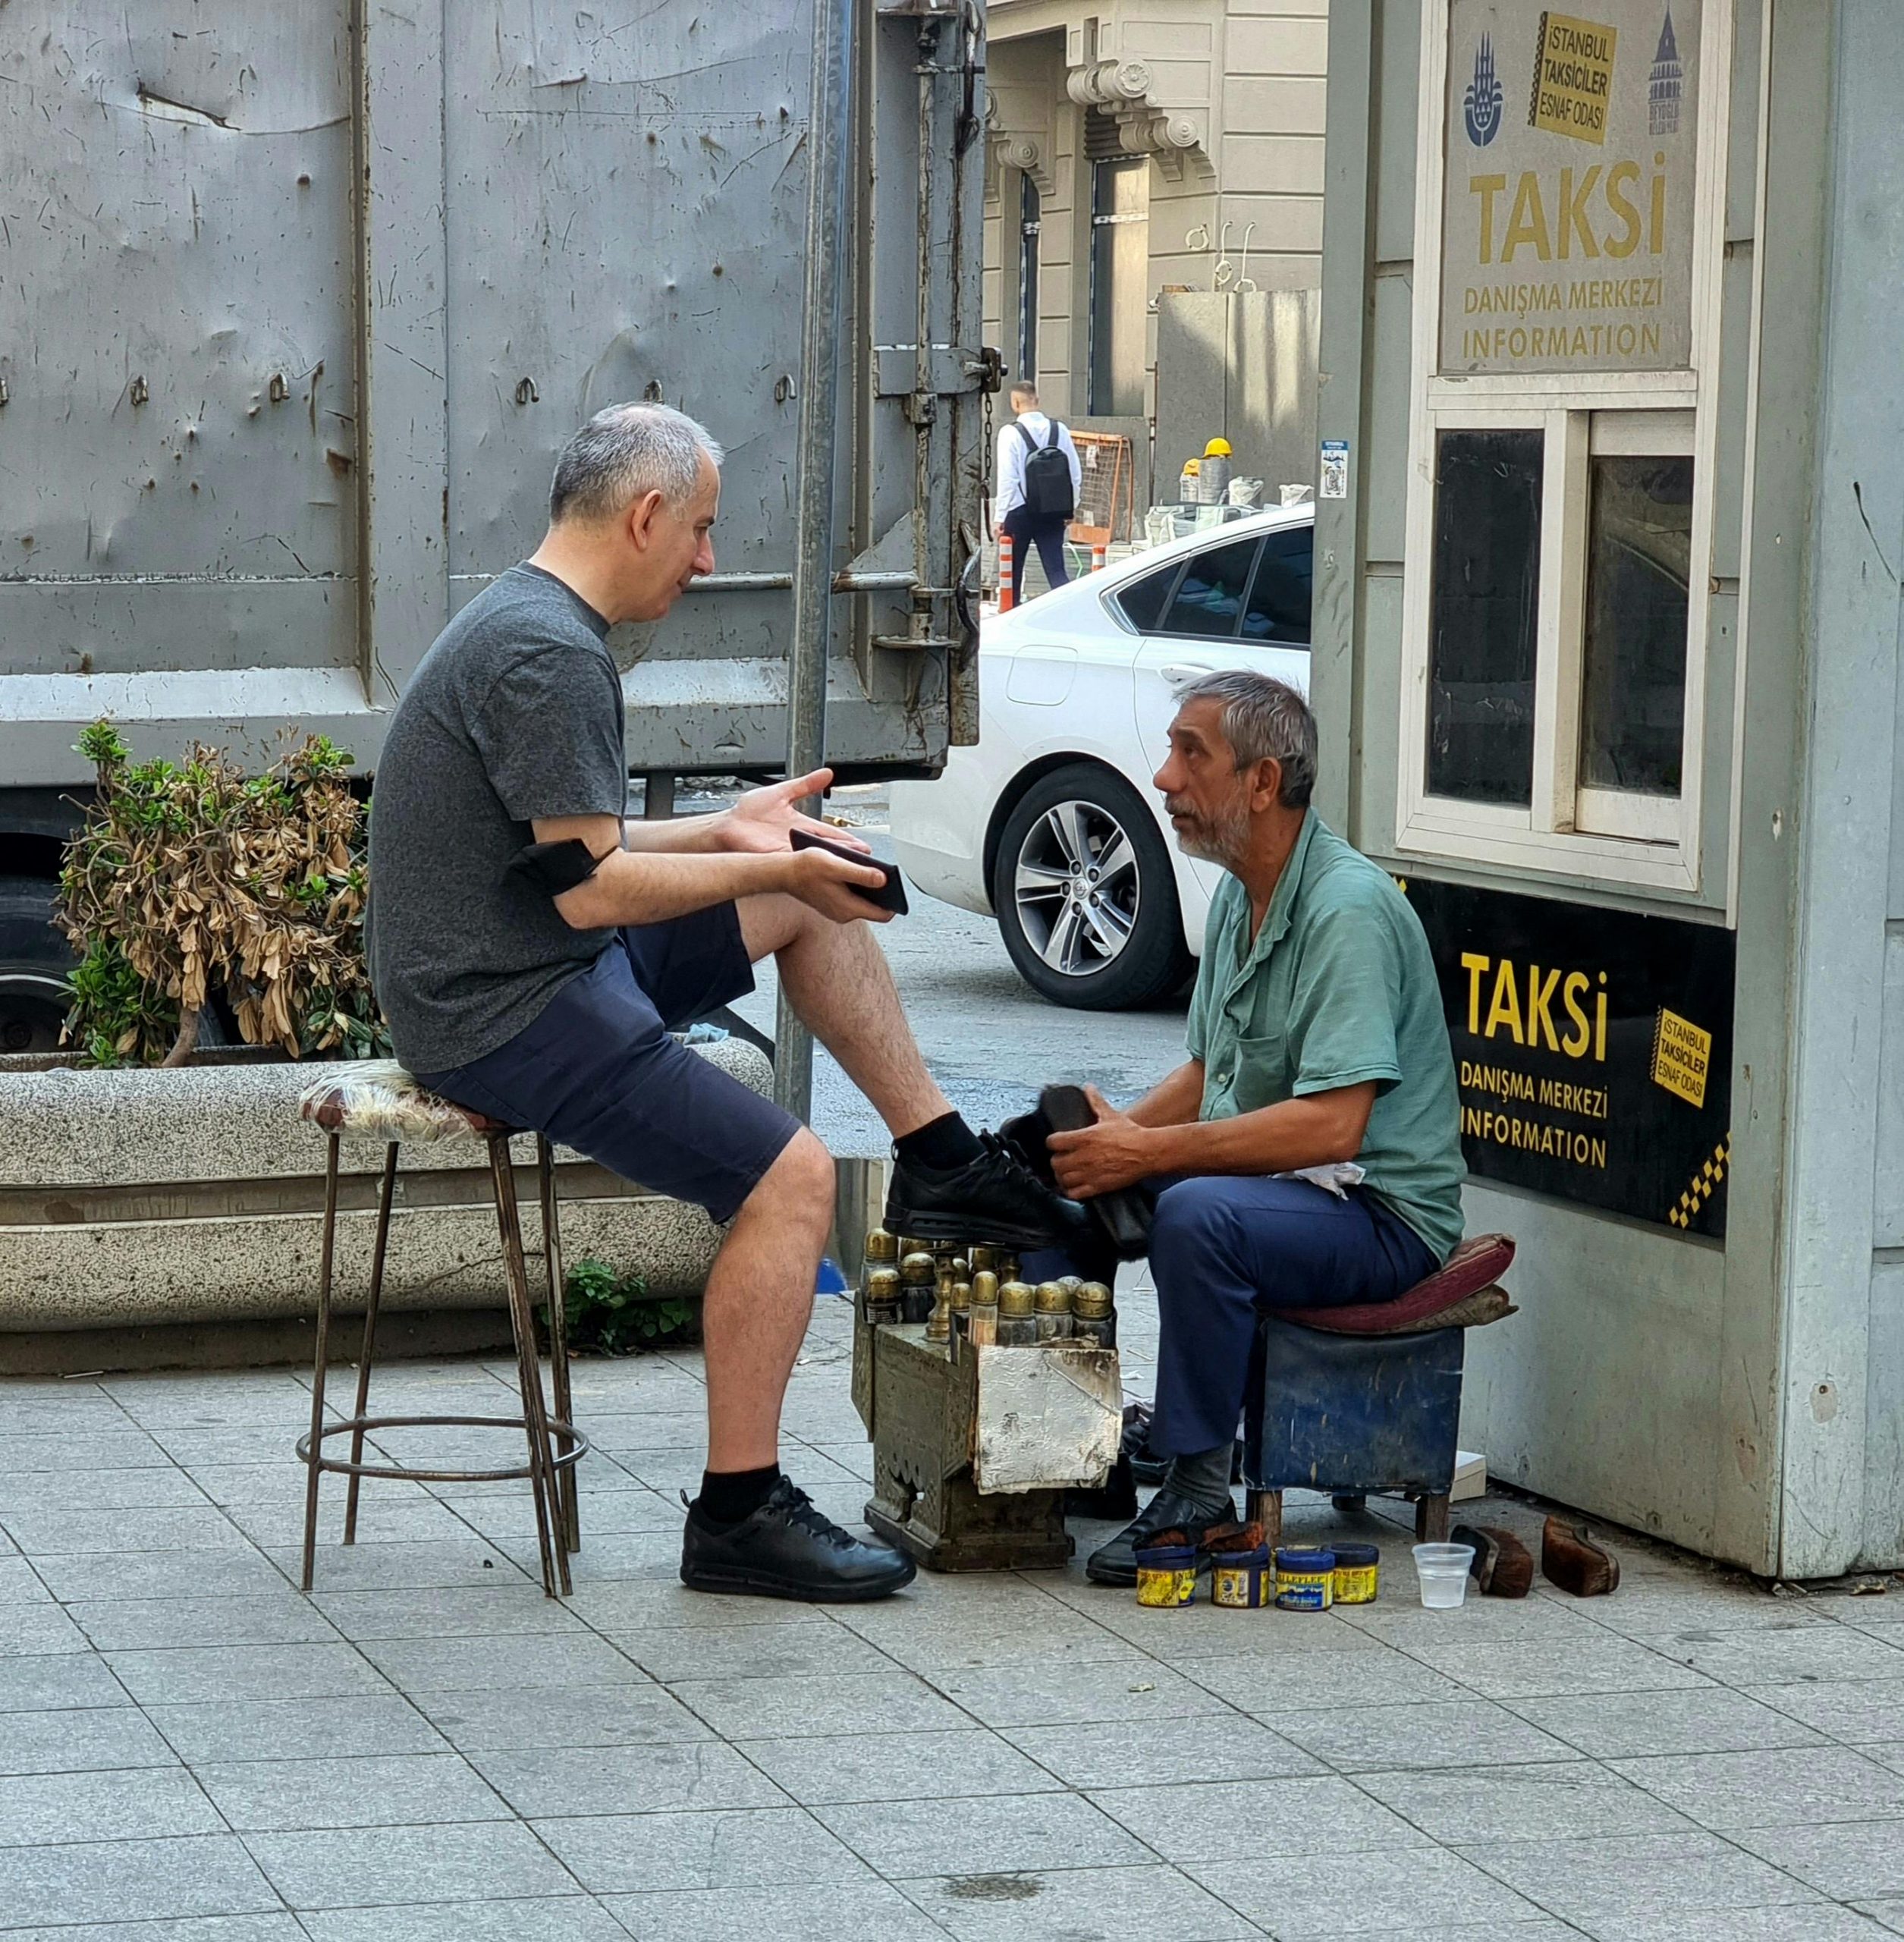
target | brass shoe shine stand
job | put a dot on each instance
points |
(986, 1401)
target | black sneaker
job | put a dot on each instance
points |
(994, 1201)
(1115, 1562)
(787, 1549)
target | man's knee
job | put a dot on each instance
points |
(1194, 1222)
(797, 1189)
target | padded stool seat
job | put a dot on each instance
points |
(378, 1099)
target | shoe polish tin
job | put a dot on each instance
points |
(1357, 1569)
(1166, 1575)
(1305, 1579)
(1243, 1580)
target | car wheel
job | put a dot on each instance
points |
(34, 960)
(1085, 894)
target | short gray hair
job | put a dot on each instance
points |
(1263, 719)
(626, 451)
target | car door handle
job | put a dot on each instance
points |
(1185, 670)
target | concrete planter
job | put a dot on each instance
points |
(134, 1199)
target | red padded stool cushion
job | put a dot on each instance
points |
(1461, 1294)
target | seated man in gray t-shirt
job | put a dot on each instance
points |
(533, 951)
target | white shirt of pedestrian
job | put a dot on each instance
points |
(1010, 475)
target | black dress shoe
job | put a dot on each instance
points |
(789, 1550)
(994, 1200)
(1116, 1564)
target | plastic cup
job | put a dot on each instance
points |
(1442, 1571)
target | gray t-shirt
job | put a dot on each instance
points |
(515, 713)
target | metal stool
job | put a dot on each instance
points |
(379, 1099)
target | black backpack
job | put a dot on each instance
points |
(1048, 477)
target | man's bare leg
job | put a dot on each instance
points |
(759, 1299)
(838, 980)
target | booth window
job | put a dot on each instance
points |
(1482, 619)
(1559, 621)
(1028, 208)
(1120, 276)
(1639, 547)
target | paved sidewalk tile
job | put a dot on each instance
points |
(1079, 1904)
(1012, 1832)
(749, 1848)
(279, 1796)
(201, 1675)
(1157, 1753)
(1642, 1879)
(580, 1717)
(337, 1729)
(1449, 1732)
(804, 1707)
(129, 1805)
(1790, 1788)
(847, 1767)
(361, 1868)
(1389, 1891)
(1701, 1719)
(453, 1611)
(1203, 1822)
(280, 1618)
(46, 1680)
(192, 1928)
(80, 1740)
(837, 1911)
(574, 1917)
(1575, 1798)
(521, 1663)
(671, 1777)
(150, 1880)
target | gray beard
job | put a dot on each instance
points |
(1224, 843)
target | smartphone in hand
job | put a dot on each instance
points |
(892, 897)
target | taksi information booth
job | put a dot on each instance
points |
(1607, 663)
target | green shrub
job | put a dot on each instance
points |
(607, 1313)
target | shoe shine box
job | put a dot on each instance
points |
(975, 1445)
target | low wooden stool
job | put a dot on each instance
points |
(1367, 1398)
(379, 1099)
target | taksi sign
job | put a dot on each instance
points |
(1567, 202)
(1592, 1050)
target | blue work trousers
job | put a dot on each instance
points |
(1223, 1248)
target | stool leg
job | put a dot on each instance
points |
(323, 1348)
(1265, 1508)
(384, 1195)
(528, 1365)
(558, 1340)
(1432, 1519)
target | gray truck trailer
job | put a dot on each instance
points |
(298, 304)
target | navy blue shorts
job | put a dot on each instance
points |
(598, 1070)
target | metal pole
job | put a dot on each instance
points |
(827, 148)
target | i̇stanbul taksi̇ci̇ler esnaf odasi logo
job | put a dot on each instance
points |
(1481, 102)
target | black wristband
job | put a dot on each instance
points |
(554, 868)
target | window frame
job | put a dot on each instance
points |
(1643, 841)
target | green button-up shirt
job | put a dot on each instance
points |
(1336, 987)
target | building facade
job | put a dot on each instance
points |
(1138, 148)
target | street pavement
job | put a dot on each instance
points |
(428, 1750)
(991, 1042)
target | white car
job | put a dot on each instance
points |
(1050, 822)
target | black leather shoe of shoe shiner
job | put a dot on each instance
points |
(995, 1200)
(787, 1549)
(1115, 1562)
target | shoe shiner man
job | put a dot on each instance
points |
(531, 951)
(1316, 1037)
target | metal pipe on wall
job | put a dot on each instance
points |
(828, 146)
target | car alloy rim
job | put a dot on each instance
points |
(1076, 889)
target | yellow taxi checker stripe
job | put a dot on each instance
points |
(1712, 1172)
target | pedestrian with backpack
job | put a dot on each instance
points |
(1039, 478)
